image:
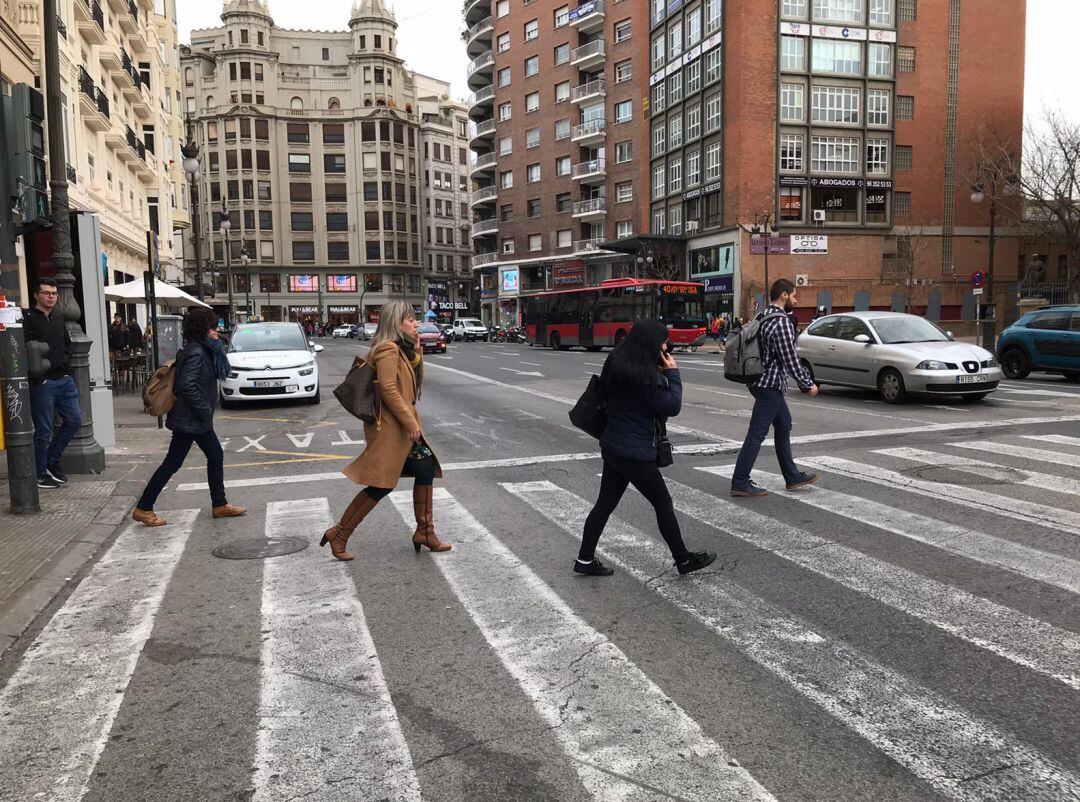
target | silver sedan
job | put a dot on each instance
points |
(895, 354)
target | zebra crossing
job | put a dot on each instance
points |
(328, 722)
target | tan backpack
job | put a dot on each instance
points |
(158, 394)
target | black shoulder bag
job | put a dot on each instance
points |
(664, 455)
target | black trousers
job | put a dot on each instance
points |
(646, 478)
(178, 450)
(421, 470)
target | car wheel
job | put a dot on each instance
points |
(1072, 376)
(808, 369)
(315, 398)
(224, 403)
(1015, 364)
(891, 387)
(974, 397)
(556, 341)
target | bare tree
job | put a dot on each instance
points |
(663, 259)
(902, 269)
(1045, 178)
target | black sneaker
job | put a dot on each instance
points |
(46, 482)
(750, 491)
(595, 568)
(696, 561)
(57, 474)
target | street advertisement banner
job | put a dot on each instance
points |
(778, 245)
(714, 260)
(511, 281)
(341, 283)
(569, 274)
(303, 283)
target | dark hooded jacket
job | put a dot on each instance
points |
(634, 418)
(196, 390)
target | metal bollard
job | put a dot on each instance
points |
(18, 422)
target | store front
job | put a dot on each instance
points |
(305, 316)
(509, 289)
(340, 315)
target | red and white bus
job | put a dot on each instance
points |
(594, 317)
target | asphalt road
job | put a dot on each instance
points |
(906, 629)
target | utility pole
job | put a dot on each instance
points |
(84, 454)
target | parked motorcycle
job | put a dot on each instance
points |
(497, 334)
(516, 335)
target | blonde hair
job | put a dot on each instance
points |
(390, 318)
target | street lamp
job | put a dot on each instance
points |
(245, 260)
(190, 164)
(224, 227)
(989, 325)
(763, 229)
(644, 264)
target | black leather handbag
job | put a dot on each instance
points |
(590, 412)
(359, 393)
(664, 455)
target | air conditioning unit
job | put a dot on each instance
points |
(819, 215)
(802, 280)
(692, 225)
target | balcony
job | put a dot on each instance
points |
(141, 105)
(591, 209)
(110, 59)
(135, 30)
(478, 38)
(482, 228)
(479, 72)
(484, 259)
(588, 55)
(590, 91)
(590, 172)
(116, 141)
(90, 20)
(94, 114)
(592, 131)
(588, 16)
(482, 132)
(483, 163)
(474, 10)
(484, 195)
(590, 246)
(481, 98)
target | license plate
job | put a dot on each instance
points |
(270, 383)
(970, 379)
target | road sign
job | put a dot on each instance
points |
(978, 278)
(977, 291)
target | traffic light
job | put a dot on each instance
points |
(24, 116)
(36, 363)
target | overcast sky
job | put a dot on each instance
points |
(428, 39)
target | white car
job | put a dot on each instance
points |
(469, 329)
(270, 361)
(345, 330)
(367, 331)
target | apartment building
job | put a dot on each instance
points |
(310, 145)
(849, 128)
(444, 136)
(560, 148)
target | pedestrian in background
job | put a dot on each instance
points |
(117, 335)
(642, 386)
(134, 335)
(395, 445)
(199, 365)
(778, 359)
(54, 392)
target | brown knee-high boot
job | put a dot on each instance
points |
(338, 534)
(424, 510)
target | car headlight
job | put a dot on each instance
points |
(991, 363)
(307, 371)
(933, 364)
(233, 374)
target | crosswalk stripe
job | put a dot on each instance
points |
(1061, 439)
(1017, 509)
(956, 753)
(618, 728)
(327, 724)
(1010, 450)
(1007, 633)
(1044, 481)
(1054, 393)
(60, 704)
(1042, 566)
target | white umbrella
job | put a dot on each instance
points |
(166, 294)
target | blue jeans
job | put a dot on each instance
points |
(179, 447)
(46, 399)
(770, 409)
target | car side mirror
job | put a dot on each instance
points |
(949, 334)
(864, 339)
(318, 348)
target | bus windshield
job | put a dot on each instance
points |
(681, 310)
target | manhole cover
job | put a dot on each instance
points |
(966, 475)
(260, 548)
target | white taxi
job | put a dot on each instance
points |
(269, 362)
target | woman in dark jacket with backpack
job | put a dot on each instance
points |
(199, 365)
(641, 384)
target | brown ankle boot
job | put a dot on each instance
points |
(424, 510)
(338, 534)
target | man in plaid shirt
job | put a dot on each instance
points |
(778, 358)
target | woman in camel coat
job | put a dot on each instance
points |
(395, 443)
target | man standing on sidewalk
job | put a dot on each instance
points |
(55, 392)
(778, 358)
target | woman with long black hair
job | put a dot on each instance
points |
(643, 389)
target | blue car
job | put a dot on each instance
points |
(1047, 339)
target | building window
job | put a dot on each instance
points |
(334, 162)
(562, 54)
(336, 193)
(879, 60)
(532, 207)
(624, 192)
(532, 174)
(905, 107)
(712, 111)
(791, 102)
(563, 202)
(659, 143)
(659, 183)
(905, 59)
(693, 168)
(504, 77)
(266, 220)
(675, 41)
(532, 102)
(836, 56)
(506, 179)
(675, 131)
(506, 213)
(834, 154)
(506, 145)
(791, 152)
(712, 66)
(333, 133)
(338, 251)
(836, 104)
(562, 129)
(906, 10)
(793, 53)
(298, 162)
(675, 219)
(502, 8)
(693, 77)
(693, 123)
(877, 157)
(838, 10)
(791, 203)
(302, 252)
(504, 112)
(532, 30)
(901, 204)
(881, 12)
(693, 27)
(337, 221)
(624, 71)
(659, 222)
(675, 175)
(532, 138)
(712, 161)
(264, 190)
(562, 16)
(622, 31)
(536, 242)
(659, 96)
(624, 229)
(624, 111)
(712, 15)
(532, 66)
(902, 155)
(624, 151)
(877, 106)
(562, 92)
(508, 245)
(793, 9)
(659, 46)
(562, 165)
(675, 88)
(302, 221)
(297, 133)
(503, 42)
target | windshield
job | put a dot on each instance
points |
(429, 328)
(269, 337)
(897, 330)
(468, 321)
(682, 311)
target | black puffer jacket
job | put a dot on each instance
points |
(195, 389)
(632, 431)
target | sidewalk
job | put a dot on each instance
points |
(41, 553)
